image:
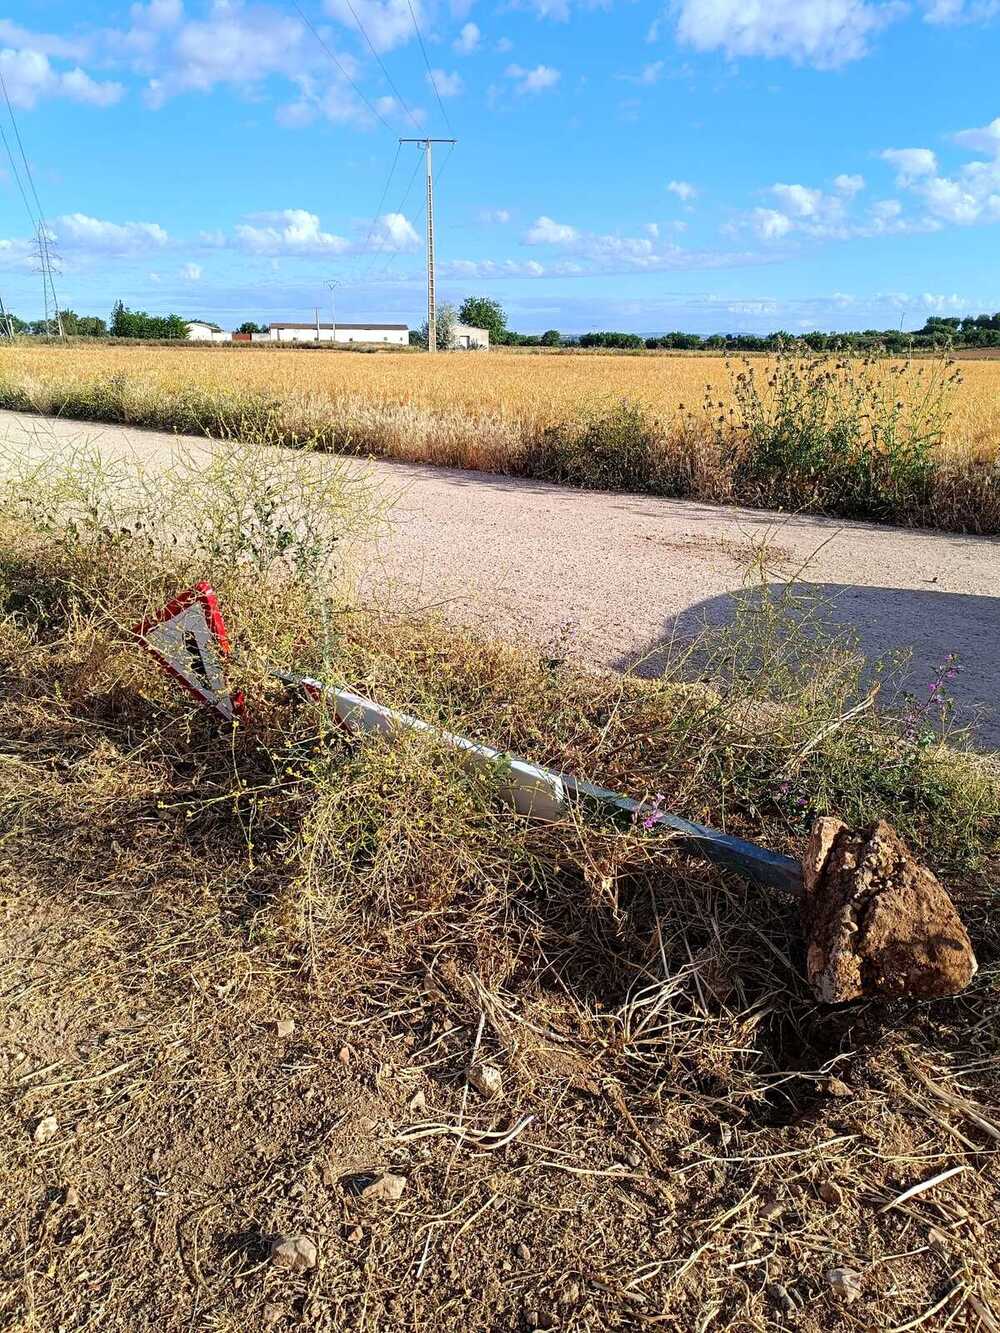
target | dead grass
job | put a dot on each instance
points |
(681, 1138)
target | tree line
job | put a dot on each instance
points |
(485, 313)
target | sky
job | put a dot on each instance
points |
(705, 165)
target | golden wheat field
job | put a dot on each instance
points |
(500, 384)
(662, 424)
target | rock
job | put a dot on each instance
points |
(829, 1192)
(846, 1283)
(781, 1298)
(71, 1198)
(46, 1129)
(284, 1027)
(345, 1055)
(418, 1102)
(877, 923)
(296, 1253)
(523, 1252)
(355, 1236)
(632, 1158)
(836, 1087)
(486, 1079)
(386, 1188)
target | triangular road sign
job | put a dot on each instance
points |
(188, 638)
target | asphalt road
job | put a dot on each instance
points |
(629, 573)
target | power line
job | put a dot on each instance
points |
(381, 202)
(430, 72)
(381, 64)
(399, 210)
(378, 116)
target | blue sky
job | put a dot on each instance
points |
(708, 165)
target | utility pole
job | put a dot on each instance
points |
(316, 312)
(333, 285)
(431, 292)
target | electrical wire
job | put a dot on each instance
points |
(402, 205)
(378, 116)
(378, 210)
(430, 72)
(381, 64)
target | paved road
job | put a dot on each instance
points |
(521, 558)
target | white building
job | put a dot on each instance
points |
(200, 330)
(396, 334)
(469, 337)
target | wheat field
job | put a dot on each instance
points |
(661, 424)
(502, 385)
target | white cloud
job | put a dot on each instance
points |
(647, 76)
(288, 231)
(491, 216)
(82, 232)
(504, 45)
(960, 11)
(394, 232)
(770, 225)
(799, 200)
(848, 185)
(30, 75)
(824, 33)
(652, 230)
(533, 80)
(547, 232)
(985, 140)
(909, 163)
(447, 85)
(467, 40)
(13, 35)
(388, 23)
(684, 190)
(191, 272)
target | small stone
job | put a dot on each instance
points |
(46, 1129)
(829, 1192)
(781, 1298)
(836, 1087)
(846, 1283)
(296, 1253)
(355, 1235)
(572, 1294)
(345, 1055)
(72, 1197)
(386, 1188)
(284, 1027)
(632, 1158)
(523, 1252)
(486, 1079)
(770, 1208)
(418, 1102)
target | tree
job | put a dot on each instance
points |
(83, 326)
(445, 324)
(251, 327)
(483, 313)
(127, 323)
(550, 338)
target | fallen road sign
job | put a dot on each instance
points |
(188, 638)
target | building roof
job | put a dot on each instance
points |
(399, 327)
(205, 324)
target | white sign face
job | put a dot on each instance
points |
(188, 638)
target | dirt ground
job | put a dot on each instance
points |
(576, 1149)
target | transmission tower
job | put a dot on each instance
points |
(431, 291)
(46, 256)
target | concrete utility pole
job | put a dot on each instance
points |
(431, 292)
(333, 285)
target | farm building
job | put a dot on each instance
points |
(398, 334)
(467, 336)
(200, 330)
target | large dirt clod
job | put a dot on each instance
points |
(877, 923)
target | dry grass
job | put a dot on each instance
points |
(503, 412)
(681, 1138)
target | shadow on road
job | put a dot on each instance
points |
(930, 625)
